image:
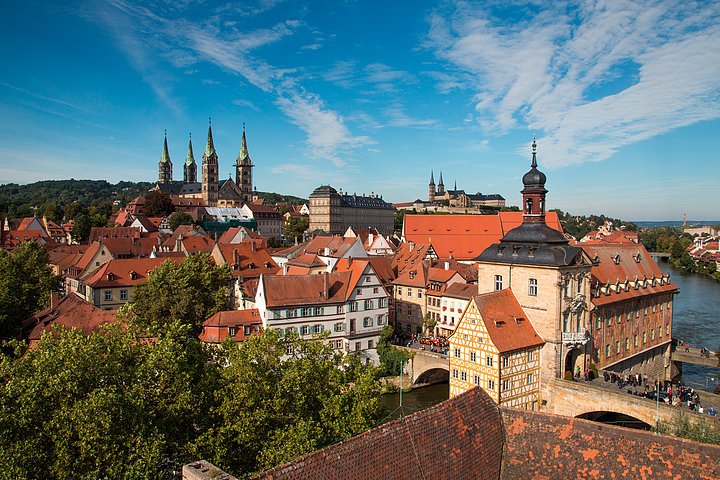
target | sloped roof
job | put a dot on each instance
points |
(414, 276)
(409, 254)
(118, 273)
(500, 312)
(464, 291)
(246, 262)
(307, 260)
(465, 237)
(198, 243)
(70, 312)
(336, 246)
(137, 247)
(215, 327)
(297, 290)
(90, 252)
(101, 233)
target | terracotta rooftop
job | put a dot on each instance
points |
(506, 322)
(101, 233)
(295, 290)
(244, 260)
(464, 291)
(410, 254)
(307, 260)
(215, 328)
(334, 246)
(130, 247)
(125, 272)
(465, 237)
(198, 243)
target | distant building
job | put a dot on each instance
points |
(233, 325)
(333, 212)
(458, 198)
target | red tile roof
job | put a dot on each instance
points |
(125, 272)
(506, 322)
(308, 260)
(199, 243)
(244, 261)
(101, 233)
(130, 247)
(464, 237)
(84, 261)
(296, 290)
(464, 291)
(413, 276)
(14, 238)
(216, 328)
(334, 246)
(409, 254)
(70, 312)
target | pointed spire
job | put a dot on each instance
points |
(441, 180)
(210, 147)
(243, 156)
(190, 159)
(432, 179)
(165, 155)
(534, 154)
(455, 186)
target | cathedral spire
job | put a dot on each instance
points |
(210, 147)
(165, 154)
(190, 159)
(432, 179)
(243, 156)
(243, 170)
(441, 180)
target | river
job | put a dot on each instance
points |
(696, 320)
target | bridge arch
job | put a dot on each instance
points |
(433, 375)
(615, 418)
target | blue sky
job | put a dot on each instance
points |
(623, 96)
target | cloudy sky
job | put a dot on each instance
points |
(622, 96)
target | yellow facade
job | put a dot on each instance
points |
(510, 378)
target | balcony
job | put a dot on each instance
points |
(572, 339)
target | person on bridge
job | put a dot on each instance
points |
(687, 347)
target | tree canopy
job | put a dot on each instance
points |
(180, 218)
(158, 204)
(25, 285)
(295, 227)
(189, 292)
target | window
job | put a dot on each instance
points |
(506, 385)
(319, 328)
(382, 303)
(498, 282)
(530, 379)
(533, 287)
(644, 338)
(457, 353)
(617, 346)
(339, 344)
(399, 291)
(108, 295)
(358, 346)
(339, 327)
(409, 310)
(339, 309)
(367, 322)
(304, 330)
(370, 344)
(531, 356)
(247, 330)
(358, 292)
(667, 329)
(231, 331)
(652, 334)
(489, 361)
(353, 306)
(277, 314)
(375, 290)
(455, 373)
(476, 380)
(123, 294)
(607, 350)
(598, 321)
(627, 343)
(380, 319)
(304, 312)
(491, 384)
(463, 376)
(369, 305)
(472, 356)
(607, 318)
(566, 288)
(419, 293)
(506, 362)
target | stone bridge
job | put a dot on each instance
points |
(563, 397)
(426, 367)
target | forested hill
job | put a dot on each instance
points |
(578, 226)
(65, 199)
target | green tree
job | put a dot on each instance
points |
(180, 218)
(158, 204)
(190, 292)
(391, 358)
(104, 406)
(399, 219)
(26, 281)
(283, 397)
(295, 227)
(82, 227)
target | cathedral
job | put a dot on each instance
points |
(214, 192)
(458, 198)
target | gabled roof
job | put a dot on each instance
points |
(409, 254)
(198, 243)
(136, 247)
(308, 260)
(464, 237)
(186, 231)
(244, 260)
(232, 232)
(505, 321)
(100, 233)
(70, 312)
(14, 238)
(125, 272)
(90, 252)
(413, 276)
(463, 291)
(215, 328)
(334, 246)
(298, 290)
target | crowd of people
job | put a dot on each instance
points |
(670, 394)
(438, 344)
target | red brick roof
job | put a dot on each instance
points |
(540, 445)
(216, 328)
(506, 322)
(70, 312)
(465, 237)
(461, 438)
(126, 272)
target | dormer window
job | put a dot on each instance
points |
(638, 258)
(133, 276)
(110, 277)
(616, 259)
(232, 331)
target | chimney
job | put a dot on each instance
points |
(349, 261)
(325, 285)
(235, 256)
(447, 265)
(252, 246)
(412, 246)
(54, 299)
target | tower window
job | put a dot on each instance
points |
(533, 287)
(498, 282)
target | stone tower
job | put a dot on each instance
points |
(243, 171)
(210, 172)
(190, 168)
(534, 191)
(441, 186)
(165, 165)
(431, 188)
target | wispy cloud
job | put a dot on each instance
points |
(245, 103)
(554, 72)
(398, 118)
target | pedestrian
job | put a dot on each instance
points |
(687, 347)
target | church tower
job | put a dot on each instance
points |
(441, 186)
(190, 168)
(210, 172)
(431, 188)
(165, 165)
(243, 171)
(534, 192)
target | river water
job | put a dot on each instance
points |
(696, 320)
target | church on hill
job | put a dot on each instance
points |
(214, 192)
(458, 198)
